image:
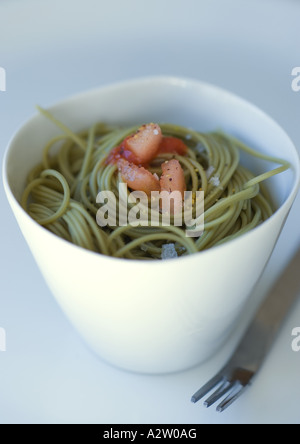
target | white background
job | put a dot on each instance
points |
(51, 49)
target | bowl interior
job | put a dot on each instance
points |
(197, 105)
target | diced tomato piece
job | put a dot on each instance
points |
(172, 179)
(145, 142)
(138, 178)
(120, 152)
(172, 145)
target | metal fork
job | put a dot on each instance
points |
(238, 373)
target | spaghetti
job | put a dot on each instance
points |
(61, 193)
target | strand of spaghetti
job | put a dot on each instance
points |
(257, 154)
(265, 176)
(65, 200)
(243, 230)
(46, 161)
(100, 235)
(78, 140)
(225, 202)
(189, 246)
(66, 196)
(88, 153)
(63, 161)
(38, 211)
(75, 189)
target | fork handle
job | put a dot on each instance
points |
(262, 331)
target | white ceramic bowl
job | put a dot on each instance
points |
(158, 316)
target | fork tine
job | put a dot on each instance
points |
(207, 387)
(236, 392)
(227, 385)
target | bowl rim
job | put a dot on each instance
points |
(181, 81)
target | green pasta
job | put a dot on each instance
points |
(61, 193)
